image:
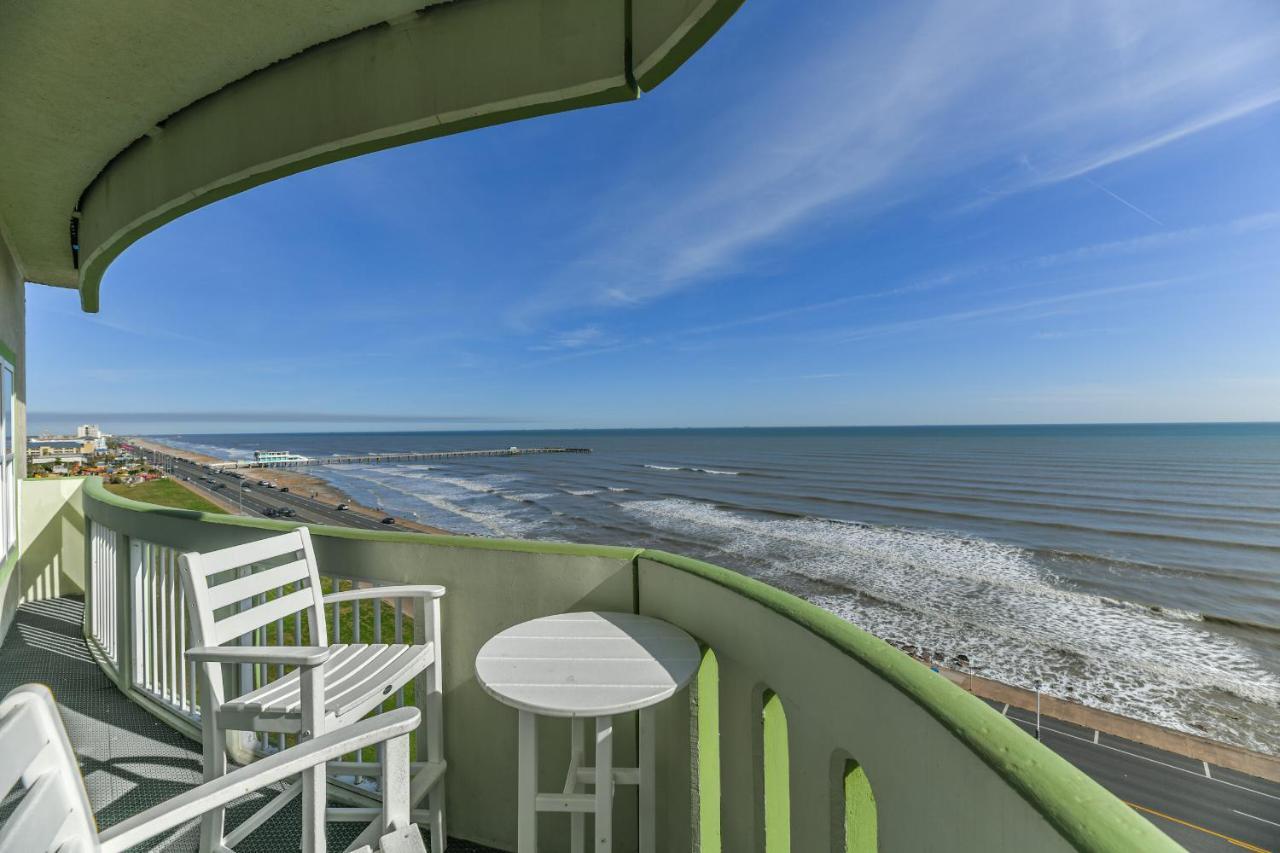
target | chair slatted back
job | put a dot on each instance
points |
(230, 594)
(54, 812)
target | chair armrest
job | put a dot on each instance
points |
(287, 655)
(414, 591)
(259, 774)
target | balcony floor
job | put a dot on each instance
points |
(129, 759)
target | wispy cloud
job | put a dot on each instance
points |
(1253, 223)
(893, 105)
(575, 339)
(951, 318)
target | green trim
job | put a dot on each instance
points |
(95, 490)
(1087, 815)
(777, 776)
(707, 686)
(8, 355)
(860, 829)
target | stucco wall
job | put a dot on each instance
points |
(50, 538)
(13, 346)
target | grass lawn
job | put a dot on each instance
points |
(166, 493)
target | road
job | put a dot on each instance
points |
(257, 500)
(1201, 806)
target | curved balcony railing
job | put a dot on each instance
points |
(801, 732)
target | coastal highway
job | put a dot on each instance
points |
(1201, 806)
(257, 500)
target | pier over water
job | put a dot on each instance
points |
(374, 458)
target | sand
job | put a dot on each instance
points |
(296, 481)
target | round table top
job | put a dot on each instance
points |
(587, 664)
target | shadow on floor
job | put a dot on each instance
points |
(130, 760)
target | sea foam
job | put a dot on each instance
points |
(942, 595)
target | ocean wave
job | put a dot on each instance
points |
(235, 454)
(694, 470)
(1004, 611)
(583, 493)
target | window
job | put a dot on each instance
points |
(8, 471)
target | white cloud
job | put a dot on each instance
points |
(1026, 94)
(574, 339)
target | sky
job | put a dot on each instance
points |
(835, 213)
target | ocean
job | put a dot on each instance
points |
(1135, 568)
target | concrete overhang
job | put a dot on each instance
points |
(118, 117)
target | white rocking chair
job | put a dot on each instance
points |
(53, 813)
(330, 686)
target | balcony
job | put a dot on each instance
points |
(799, 733)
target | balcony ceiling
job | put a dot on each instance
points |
(127, 114)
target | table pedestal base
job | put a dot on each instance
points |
(603, 777)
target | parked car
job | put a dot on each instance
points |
(284, 488)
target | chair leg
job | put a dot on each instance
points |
(439, 840)
(314, 781)
(213, 823)
(314, 796)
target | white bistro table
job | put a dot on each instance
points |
(587, 666)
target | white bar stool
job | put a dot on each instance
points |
(587, 666)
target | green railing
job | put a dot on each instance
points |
(801, 732)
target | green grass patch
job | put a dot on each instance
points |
(165, 493)
(377, 625)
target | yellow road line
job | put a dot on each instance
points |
(1227, 838)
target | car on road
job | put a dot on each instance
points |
(245, 487)
(341, 507)
(286, 512)
(263, 483)
(284, 488)
(388, 520)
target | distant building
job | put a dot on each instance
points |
(42, 451)
(94, 432)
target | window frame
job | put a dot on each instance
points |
(8, 459)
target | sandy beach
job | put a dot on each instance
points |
(295, 480)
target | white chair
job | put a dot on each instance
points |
(234, 592)
(53, 813)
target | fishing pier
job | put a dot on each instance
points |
(375, 458)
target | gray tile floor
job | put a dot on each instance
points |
(129, 759)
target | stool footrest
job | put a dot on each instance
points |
(621, 775)
(565, 803)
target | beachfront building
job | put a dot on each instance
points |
(44, 451)
(799, 733)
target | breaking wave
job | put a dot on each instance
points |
(694, 470)
(943, 596)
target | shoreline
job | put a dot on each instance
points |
(303, 484)
(1220, 753)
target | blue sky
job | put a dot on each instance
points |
(836, 213)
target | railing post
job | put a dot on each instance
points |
(131, 615)
(124, 603)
